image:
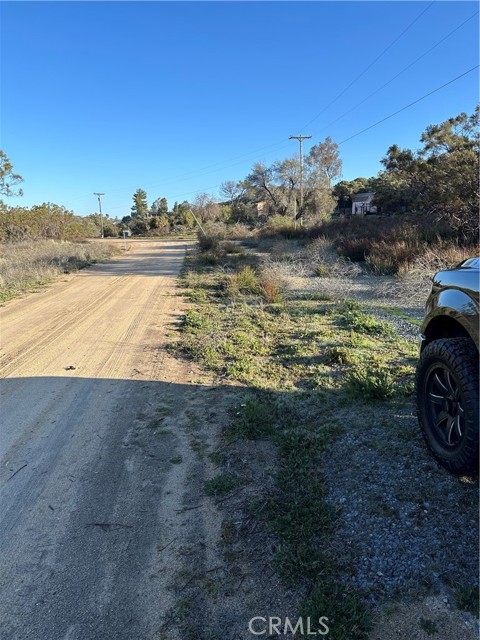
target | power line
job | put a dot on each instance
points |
(446, 84)
(370, 65)
(277, 145)
(409, 105)
(398, 74)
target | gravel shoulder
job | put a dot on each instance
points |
(408, 532)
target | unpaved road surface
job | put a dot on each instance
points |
(91, 475)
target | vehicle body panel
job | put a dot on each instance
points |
(452, 307)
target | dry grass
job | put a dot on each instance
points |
(392, 245)
(325, 261)
(25, 265)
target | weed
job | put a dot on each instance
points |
(247, 281)
(228, 531)
(163, 431)
(466, 599)
(270, 291)
(220, 485)
(256, 418)
(338, 355)
(176, 460)
(232, 247)
(370, 381)
(348, 619)
(429, 626)
(195, 320)
(357, 320)
(321, 271)
(217, 457)
(211, 258)
(399, 313)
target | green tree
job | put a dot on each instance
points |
(8, 179)
(345, 189)
(159, 207)
(323, 161)
(261, 185)
(185, 215)
(440, 179)
(140, 206)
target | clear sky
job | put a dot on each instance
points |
(177, 97)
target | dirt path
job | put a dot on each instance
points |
(97, 460)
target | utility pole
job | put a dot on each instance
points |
(100, 208)
(300, 139)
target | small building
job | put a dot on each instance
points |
(362, 204)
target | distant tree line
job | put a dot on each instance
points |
(440, 180)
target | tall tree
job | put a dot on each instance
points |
(261, 184)
(441, 178)
(205, 208)
(8, 179)
(159, 207)
(324, 160)
(140, 206)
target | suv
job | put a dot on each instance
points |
(447, 372)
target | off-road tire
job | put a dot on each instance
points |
(450, 363)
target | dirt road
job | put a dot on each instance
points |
(92, 474)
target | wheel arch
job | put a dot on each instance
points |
(444, 326)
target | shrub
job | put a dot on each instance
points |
(207, 243)
(26, 264)
(355, 249)
(232, 247)
(321, 271)
(270, 291)
(247, 280)
(371, 381)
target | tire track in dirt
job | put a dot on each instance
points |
(27, 349)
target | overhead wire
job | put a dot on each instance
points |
(370, 95)
(368, 67)
(277, 145)
(391, 115)
(409, 105)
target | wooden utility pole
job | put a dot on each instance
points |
(300, 139)
(100, 208)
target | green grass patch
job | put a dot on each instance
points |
(220, 485)
(354, 318)
(467, 599)
(399, 313)
(305, 359)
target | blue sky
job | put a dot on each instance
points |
(176, 97)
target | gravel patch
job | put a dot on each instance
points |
(406, 527)
(411, 527)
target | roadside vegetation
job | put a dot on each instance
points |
(24, 266)
(323, 365)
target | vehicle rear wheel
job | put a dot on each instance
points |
(447, 402)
